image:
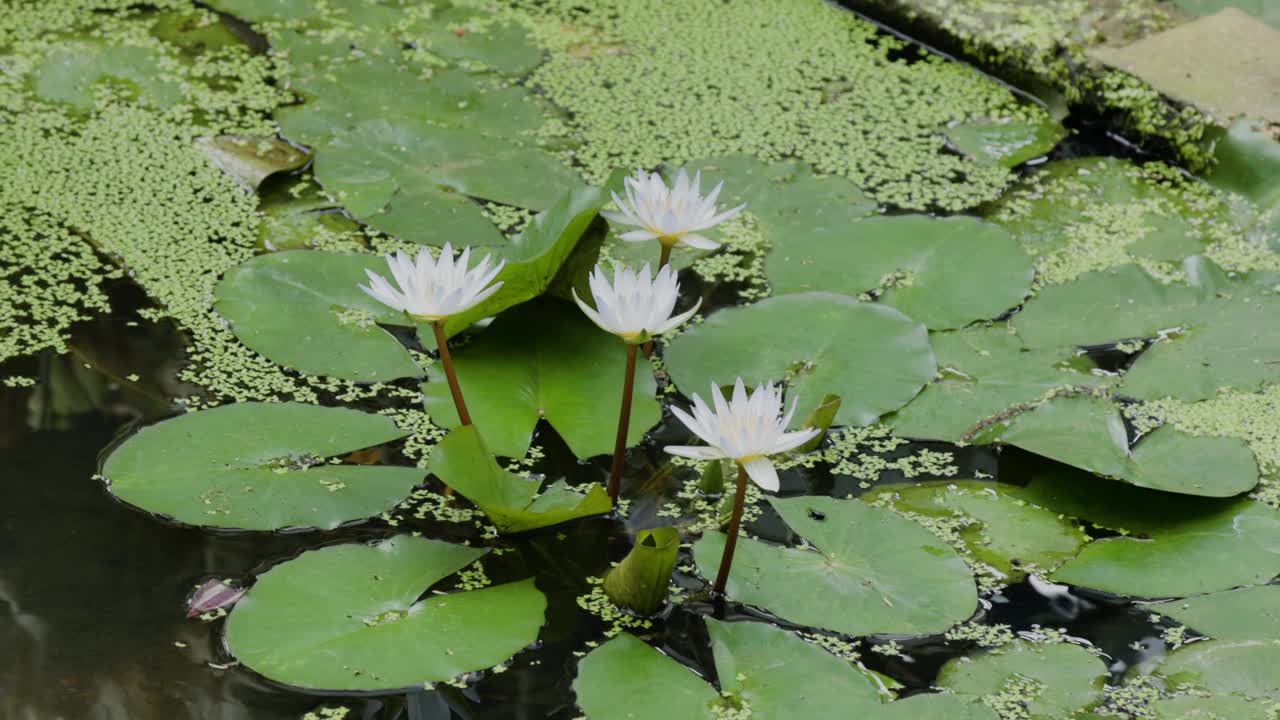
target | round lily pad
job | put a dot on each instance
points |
(1046, 680)
(544, 359)
(1170, 545)
(349, 617)
(304, 309)
(1218, 706)
(259, 466)
(1088, 432)
(874, 357)
(992, 522)
(1241, 667)
(864, 570)
(944, 272)
(772, 671)
(935, 706)
(71, 73)
(1243, 614)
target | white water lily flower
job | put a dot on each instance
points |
(746, 430)
(433, 289)
(672, 215)
(635, 307)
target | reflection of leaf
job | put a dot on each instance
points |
(544, 360)
(304, 309)
(348, 617)
(259, 466)
(877, 572)
(762, 667)
(463, 461)
(872, 356)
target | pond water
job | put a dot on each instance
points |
(94, 592)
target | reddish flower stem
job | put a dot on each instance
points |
(731, 543)
(445, 359)
(624, 419)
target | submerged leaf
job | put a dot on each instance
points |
(513, 504)
(213, 594)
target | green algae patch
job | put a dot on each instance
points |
(652, 82)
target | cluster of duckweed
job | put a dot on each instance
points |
(649, 82)
(508, 218)
(1013, 700)
(328, 712)
(1254, 417)
(987, 636)
(701, 512)
(864, 454)
(1130, 700)
(50, 278)
(1102, 234)
(616, 619)
(888, 649)
(473, 578)
(1048, 41)
(841, 648)
(741, 259)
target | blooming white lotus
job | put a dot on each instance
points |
(637, 305)
(745, 429)
(433, 289)
(672, 215)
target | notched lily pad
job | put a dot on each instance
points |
(304, 309)
(865, 570)
(544, 360)
(513, 504)
(874, 357)
(350, 617)
(769, 670)
(259, 466)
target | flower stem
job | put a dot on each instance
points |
(624, 419)
(443, 344)
(665, 256)
(731, 543)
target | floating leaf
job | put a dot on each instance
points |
(72, 72)
(872, 356)
(1240, 667)
(348, 617)
(544, 360)
(1173, 545)
(450, 33)
(945, 272)
(769, 670)
(866, 570)
(1050, 681)
(984, 372)
(303, 309)
(935, 706)
(512, 503)
(1008, 143)
(1218, 706)
(251, 159)
(997, 526)
(259, 466)
(537, 254)
(641, 581)
(1089, 433)
(213, 594)
(1243, 614)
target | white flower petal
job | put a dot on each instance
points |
(637, 235)
(697, 452)
(762, 472)
(700, 242)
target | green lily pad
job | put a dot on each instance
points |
(544, 360)
(1089, 432)
(865, 570)
(944, 272)
(1218, 706)
(935, 706)
(536, 255)
(1241, 667)
(874, 357)
(1049, 680)
(1008, 143)
(512, 503)
(984, 371)
(252, 159)
(1172, 546)
(640, 583)
(348, 617)
(1000, 529)
(71, 73)
(304, 309)
(1243, 614)
(772, 671)
(259, 466)
(452, 33)
(1248, 163)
